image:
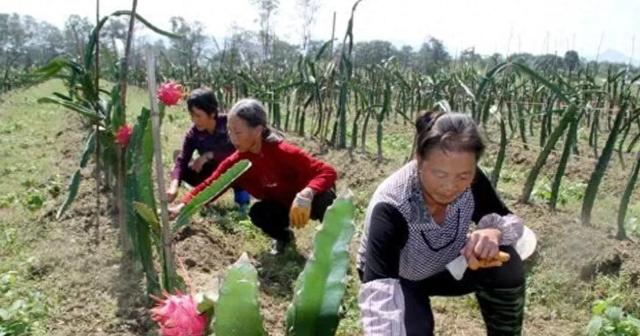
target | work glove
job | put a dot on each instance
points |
(301, 209)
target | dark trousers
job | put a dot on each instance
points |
(273, 217)
(500, 292)
(193, 178)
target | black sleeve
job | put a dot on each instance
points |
(486, 199)
(387, 236)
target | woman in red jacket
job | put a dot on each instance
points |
(291, 185)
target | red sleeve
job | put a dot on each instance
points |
(222, 167)
(322, 175)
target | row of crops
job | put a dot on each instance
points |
(575, 113)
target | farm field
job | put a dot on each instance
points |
(70, 286)
(97, 113)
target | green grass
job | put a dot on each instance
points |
(29, 147)
(35, 165)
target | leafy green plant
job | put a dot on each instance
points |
(139, 195)
(7, 238)
(211, 192)
(10, 127)
(231, 219)
(20, 310)
(105, 114)
(7, 200)
(318, 292)
(144, 224)
(633, 226)
(109, 137)
(571, 192)
(603, 162)
(626, 198)
(34, 200)
(74, 182)
(610, 320)
(237, 311)
(321, 285)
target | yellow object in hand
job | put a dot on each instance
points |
(496, 261)
(299, 216)
(300, 212)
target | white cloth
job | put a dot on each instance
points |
(382, 308)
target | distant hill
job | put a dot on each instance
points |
(611, 55)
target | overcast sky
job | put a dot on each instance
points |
(504, 26)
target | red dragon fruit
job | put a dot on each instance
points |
(123, 135)
(169, 93)
(177, 315)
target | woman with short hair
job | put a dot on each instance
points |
(208, 137)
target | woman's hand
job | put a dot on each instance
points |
(174, 210)
(200, 161)
(482, 244)
(301, 208)
(172, 191)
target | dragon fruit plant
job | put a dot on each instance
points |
(314, 310)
